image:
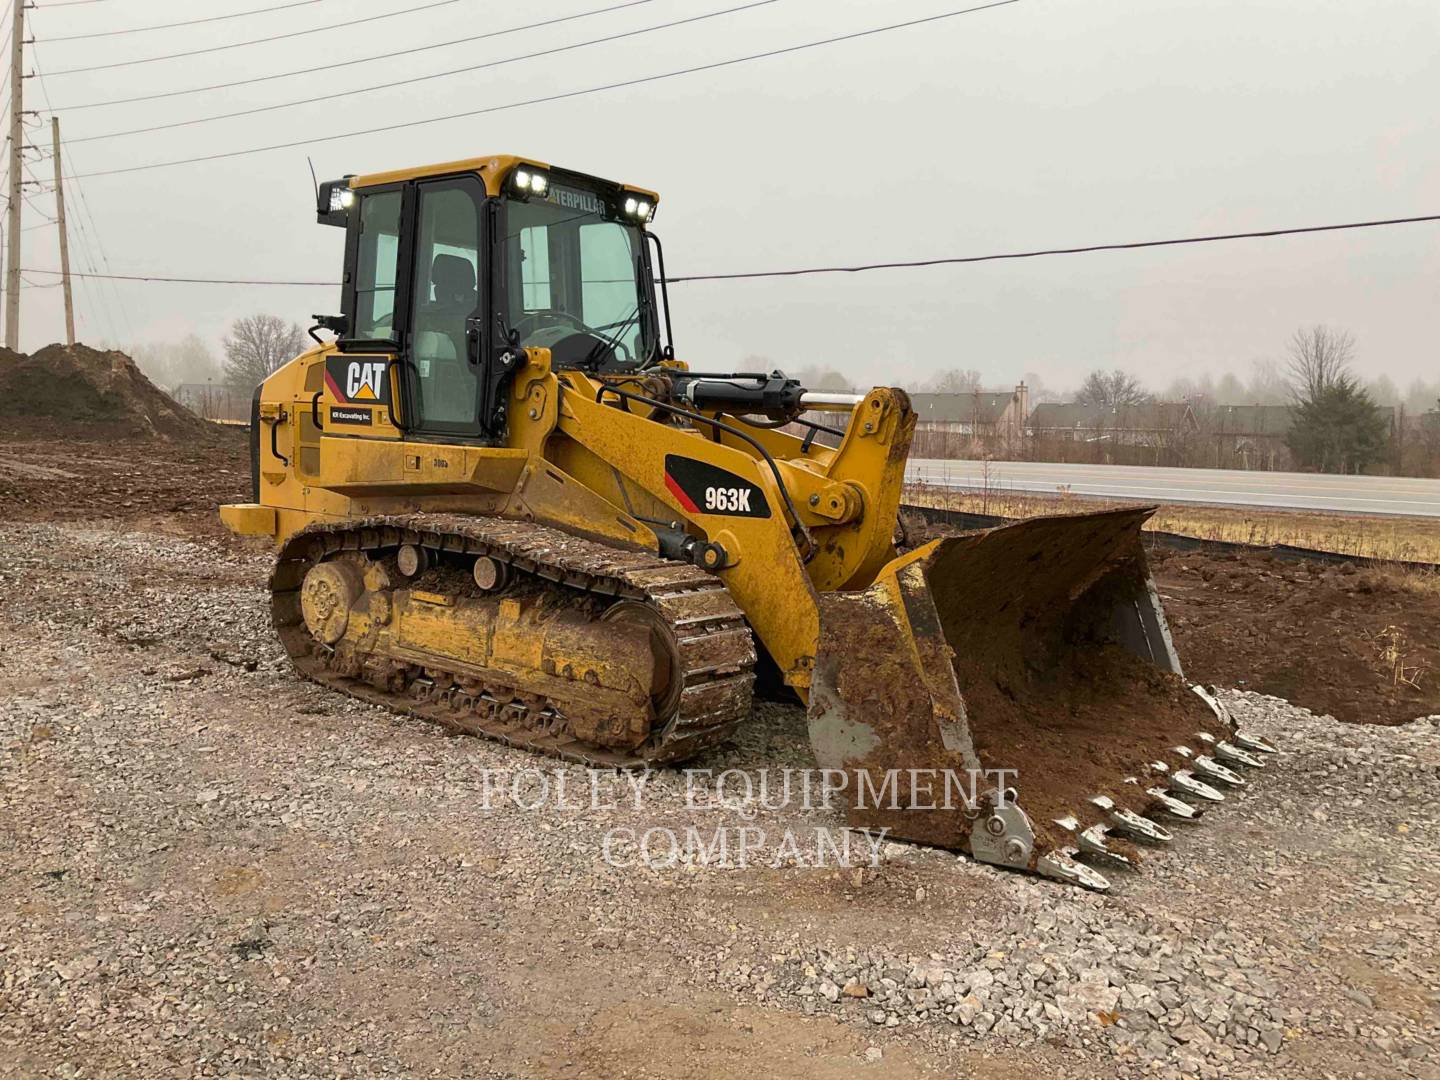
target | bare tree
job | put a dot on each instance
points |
(1112, 388)
(1040, 390)
(818, 377)
(1230, 390)
(1383, 391)
(1267, 385)
(257, 345)
(954, 381)
(170, 363)
(1319, 360)
(1336, 427)
(1201, 392)
(810, 376)
(1421, 396)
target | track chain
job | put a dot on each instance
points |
(716, 649)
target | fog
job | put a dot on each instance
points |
(1034, 125)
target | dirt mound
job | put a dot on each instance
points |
(75, 392)
(1360, 644)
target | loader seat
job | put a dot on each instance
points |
(448, 383)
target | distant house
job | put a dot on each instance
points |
(950, 424)
(214, 401)
(1248, 436)
(1152, 423)
(1253, 436)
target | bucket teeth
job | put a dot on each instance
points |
(1208, 767)
(1174, 807)
(1128, 821)
(1211, 769)
(1216, 706)
(1091, 841)
(1226, 751)
(1253, 742)
(1229, 752)
(1061, 867)
(1183, 781)
(1163, 801)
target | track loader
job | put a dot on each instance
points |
(501, 502)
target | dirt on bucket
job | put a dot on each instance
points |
(1079, 729)
(1048, 690)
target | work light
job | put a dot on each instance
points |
(530, 181)
(639, 209)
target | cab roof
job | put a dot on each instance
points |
(492, 170)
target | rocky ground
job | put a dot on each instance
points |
(208, 867)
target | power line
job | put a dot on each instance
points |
(187, 22)
(413, 123)
(1126, 246)
(359, 60)
(255, 41)
(953, 260)
(427, 78)
(186, 280)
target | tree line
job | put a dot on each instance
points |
(1337, 421)
(254, 346)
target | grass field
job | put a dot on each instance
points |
(1387, 538)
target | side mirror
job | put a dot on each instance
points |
(338, 325)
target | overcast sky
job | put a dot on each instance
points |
(1038, 124)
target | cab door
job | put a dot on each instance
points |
(447, 319)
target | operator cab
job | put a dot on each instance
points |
(452, 270)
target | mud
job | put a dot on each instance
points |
(173, 487)
(1359, 644)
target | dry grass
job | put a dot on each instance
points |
(1385, 538)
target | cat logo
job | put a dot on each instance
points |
(364, 380)
(357, 382)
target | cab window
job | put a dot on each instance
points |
(375, 270)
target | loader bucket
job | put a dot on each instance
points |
(1039, 648)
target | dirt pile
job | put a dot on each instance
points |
(1360, 644)
(76, 392)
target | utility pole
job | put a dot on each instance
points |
(64, 240)
(17, 149)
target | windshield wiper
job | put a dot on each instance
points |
(599, 348)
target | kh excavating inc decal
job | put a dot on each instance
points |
(354, 383)
(702, 488)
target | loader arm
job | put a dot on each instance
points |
(761, 510)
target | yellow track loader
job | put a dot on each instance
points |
(502, 503)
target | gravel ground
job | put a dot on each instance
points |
(208, 867)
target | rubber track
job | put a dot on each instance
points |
(717, 651)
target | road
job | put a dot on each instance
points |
(1402, 496)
